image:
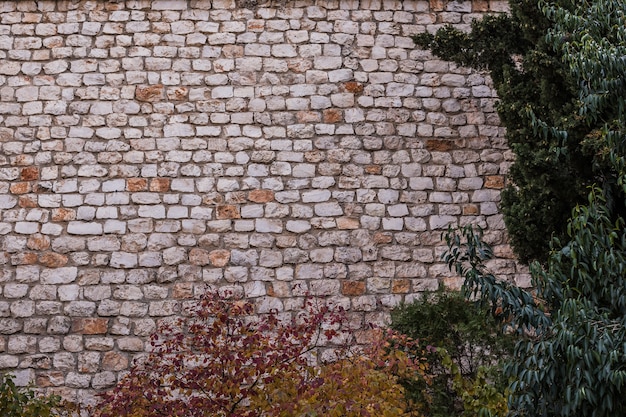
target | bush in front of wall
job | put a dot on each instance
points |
(24, 402)
(222, 360)
(466, 359)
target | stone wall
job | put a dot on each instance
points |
(152, 148)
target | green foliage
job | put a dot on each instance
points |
(24, 402)
(572, 361)
(221, 360)
(468, 349)
(536, 89)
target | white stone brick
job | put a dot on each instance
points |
(64, 275)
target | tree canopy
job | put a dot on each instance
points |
(571, 356)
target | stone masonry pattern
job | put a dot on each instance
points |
(152, 149)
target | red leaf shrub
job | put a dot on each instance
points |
(224, 361)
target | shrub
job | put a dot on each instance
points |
(24, 402)
(221, 360)
(467, 361)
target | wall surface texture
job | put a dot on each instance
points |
(152, 148)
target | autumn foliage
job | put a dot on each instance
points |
(221, 360)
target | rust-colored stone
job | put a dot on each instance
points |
(29, 174)
(494, 181)
(20, 188)
(400, 286)
(27, 201)
(261, 196)
(308, 116)
(114, 361)
(90, 325)
(353, 87)
(219, 258)
(480, 6)
(136, 184)
(353, 288)
(177, 93)
(332, 116)
(150, 93)
(383, 237)
(63, 215)
(24, 258)
(374, 169)
(232, 51)
(470, 210)
(38, 241)
(256, 25)
(182, 290)
(440, 145)
(347, 223)
(437, 5)
(160, 185)
(227, 212)
(53, 259)
(199, 256)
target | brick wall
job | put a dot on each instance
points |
(152, 148)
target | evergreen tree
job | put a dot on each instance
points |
(570, 360)
(535, 88)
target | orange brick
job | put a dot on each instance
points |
(38, 242)
(90, 325)
(400, 286)
(437, 5)
(480, 6)
(53, 260)
(332, 116)
(373, 169)
(382, 238)
(63, 215)
(227, 212)
(114, 361)
(232, 51)
(160, 185)
(470, 210)
(353, 287)
(182, 290)
(24, 258)
(136, 184)
(494, 181)
(219, 257)
(261, 196)
(20, 188)
(150, 93)
(308, 116)
(199, 256)
(256, 25)
(29, 174)
(347, 223)
(353, 87)
(27, 201)
(440, 145)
